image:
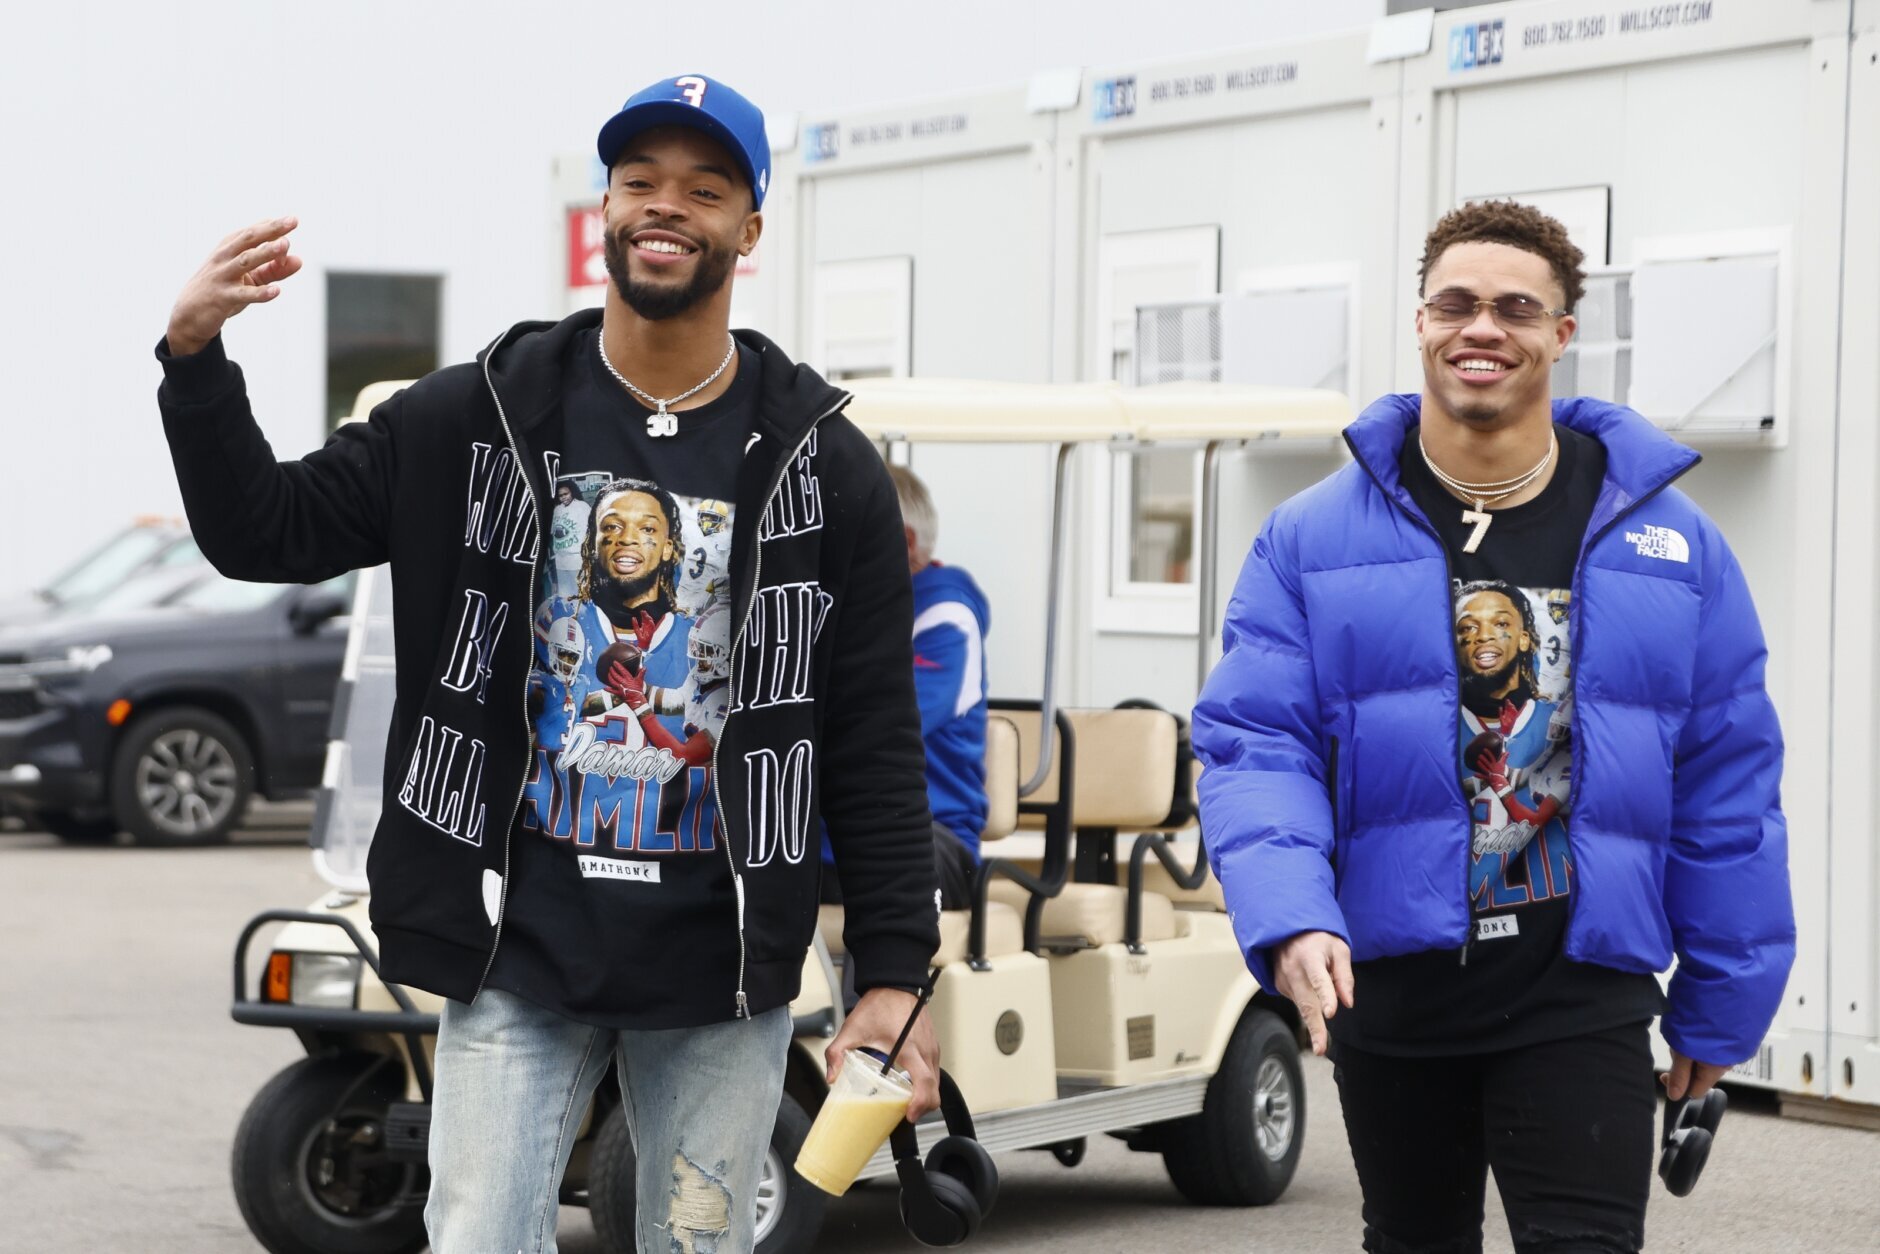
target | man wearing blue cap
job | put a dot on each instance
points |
(626, 873)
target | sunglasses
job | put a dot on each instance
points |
(1450, 309)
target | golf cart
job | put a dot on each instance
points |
(1067, 1004)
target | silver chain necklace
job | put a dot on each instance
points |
(1485, 494)
(660, 421)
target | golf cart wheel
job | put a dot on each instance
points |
(182, 776)
(1243, 1148)
(310, 1169)
(789, 1208)
(73, 829)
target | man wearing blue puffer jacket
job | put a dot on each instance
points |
(1489, 746)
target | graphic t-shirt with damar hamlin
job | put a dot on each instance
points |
(618, 856)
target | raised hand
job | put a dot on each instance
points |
(245, 269)
(645, 627)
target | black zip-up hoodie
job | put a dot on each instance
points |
(823, 721)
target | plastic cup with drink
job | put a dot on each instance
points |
(856, 1117)
(870, 1096)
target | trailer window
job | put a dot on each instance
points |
(378, 326)
(1150, 329)
(862, 318)
(1161, 519)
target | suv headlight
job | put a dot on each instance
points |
(330, 980)
(79, 659)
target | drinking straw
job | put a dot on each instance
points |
(907, 1027)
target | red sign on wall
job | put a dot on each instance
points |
(587, 264)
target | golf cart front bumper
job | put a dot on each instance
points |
(272, 1010)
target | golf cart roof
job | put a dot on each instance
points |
(970, 411)
(1201, 412)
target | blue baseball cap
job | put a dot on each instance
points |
(704, 104)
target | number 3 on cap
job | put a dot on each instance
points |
(694, 89)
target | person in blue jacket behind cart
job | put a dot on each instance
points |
(1488, 747)
(951, 618)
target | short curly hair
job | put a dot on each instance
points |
(1517, 226)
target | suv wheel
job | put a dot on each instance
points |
(182, 776)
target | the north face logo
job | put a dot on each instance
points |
(1660, 542)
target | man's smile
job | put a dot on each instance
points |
(660, 248)
(1478, 368)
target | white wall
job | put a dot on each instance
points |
(413, 136)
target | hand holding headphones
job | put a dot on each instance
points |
(946, 1198)
(1690, 1128)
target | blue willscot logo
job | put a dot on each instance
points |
(821, 143)
(1115, 98)
(1475, 45)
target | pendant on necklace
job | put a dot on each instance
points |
(661, 422)
(1480, 520)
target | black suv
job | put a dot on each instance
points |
(164, 721)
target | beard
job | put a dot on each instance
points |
(1485, 693)
(616, 597)
(1477, 415)
(658, 301)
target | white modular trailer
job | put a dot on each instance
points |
(918, 240)
(1712, 157)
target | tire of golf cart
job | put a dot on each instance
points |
(789, 1208)
(72, 829)
(1243, 1148)
(182, 776)
(309, 1167)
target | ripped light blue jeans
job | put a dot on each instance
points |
(513, 1081)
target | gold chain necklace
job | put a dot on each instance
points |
(1486, 494)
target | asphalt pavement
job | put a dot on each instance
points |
(122, 1079)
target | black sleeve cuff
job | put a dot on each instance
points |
(892, 961)
(198, 376)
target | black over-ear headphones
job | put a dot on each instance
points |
(944, 1200)
(1690, 1127)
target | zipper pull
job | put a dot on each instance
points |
(1468, 941)
(744, 1009)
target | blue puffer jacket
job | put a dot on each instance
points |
(1331, 798)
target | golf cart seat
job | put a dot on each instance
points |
(1005, 931)
(1157, 880)
(1124, 774)
(1095, 914)
(1005, 926)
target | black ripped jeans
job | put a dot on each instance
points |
(1568, 1126)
